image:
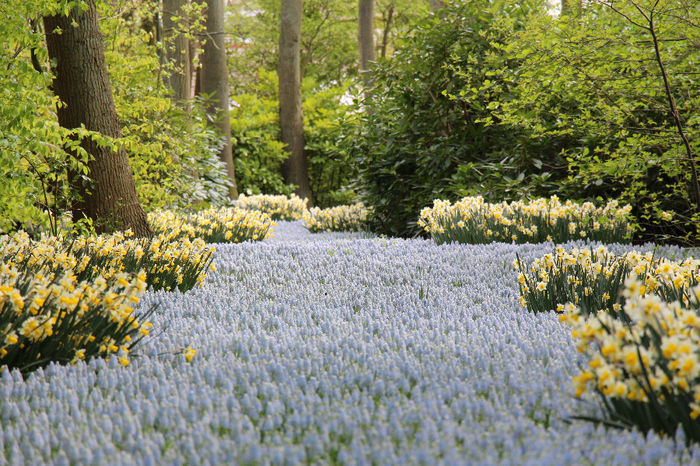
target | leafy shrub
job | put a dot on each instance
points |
(327, 121)
(279, 207)
(599, 107)
(33, 162)
(416, 143)
(340, 218)
(223, 225)
(173, 152)
(259, 154)
(473, 221)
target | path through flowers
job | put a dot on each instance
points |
(330, 348)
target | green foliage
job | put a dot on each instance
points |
(33, 163)
(173, 153)
(329, 51)
(415, 135)
(326, 123)
(258, 153)
(591, 89)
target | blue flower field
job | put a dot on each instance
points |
(331, 348)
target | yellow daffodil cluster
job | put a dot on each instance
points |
(216, 225)
(341, 218)
(594, 278)
(473, 220)
(49, 315)
(279, 207)
(653, 352)
(178, 263)
(168, 263)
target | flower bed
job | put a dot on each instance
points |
(474, 221)
(216, 225)
(593, 278)
(329, 350)
(279, 207)
(168, 263)
(341, 218)
(637, 319)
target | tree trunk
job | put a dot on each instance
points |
(387, 29)
(570, 6)
(366, 33)
(295, 169)
(81, 81)
(214, 82)
(177, 50)
(436, 4)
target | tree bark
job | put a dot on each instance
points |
(295, 167)
(436, 4)
(366, 33)
(694, 188)
(387, 29)
(214, 82)
(177, 51)
(570, 6)
(82, 83)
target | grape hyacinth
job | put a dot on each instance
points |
(331, 348)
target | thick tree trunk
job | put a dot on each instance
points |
(295, 169)
(214, 82)
(82, 83)
(177, 51)
(366, 33)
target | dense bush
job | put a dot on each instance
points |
(173, 152)
(259, 154)
(416, 143)
(600, 107)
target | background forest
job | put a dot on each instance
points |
(592, 101)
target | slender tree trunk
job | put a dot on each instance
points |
(214, 82)
(570, 6)
(365, 34)
(177, 50)
(387, 29)
(81, 81)
(694, 188)
(436, 4)
(295, 168)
